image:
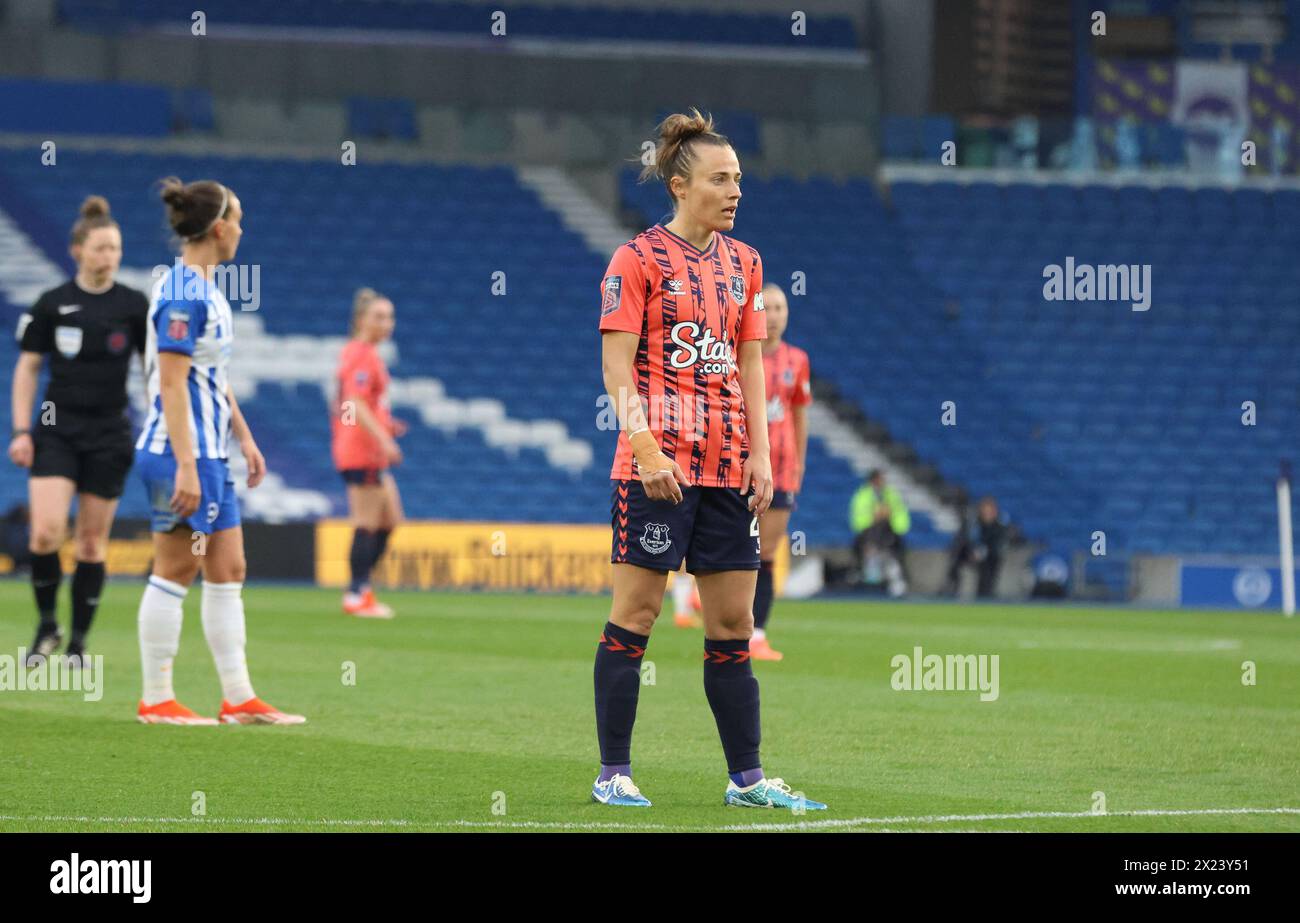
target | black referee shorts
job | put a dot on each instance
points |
(94, 452)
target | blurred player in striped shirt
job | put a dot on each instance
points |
(789, 392)
(364, 447)
(682, 324)
(183, 458)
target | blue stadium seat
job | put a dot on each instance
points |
(1075, 414)
(384, 119)
(591, 22)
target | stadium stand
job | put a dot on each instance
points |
(1078, 416)
(499, 400)
(1073, 414)
(503, 405)
(594, 22)
(83, 107)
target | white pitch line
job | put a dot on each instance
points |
(886, 823)
(1208, 645)
(1021, 815)
(276, 821)
(561, 825)
(833, 823)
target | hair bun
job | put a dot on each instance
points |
(193, 208)
(95, 206)
(679, 127)
(678, 134)
(173, 192)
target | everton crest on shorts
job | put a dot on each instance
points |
(711, 529)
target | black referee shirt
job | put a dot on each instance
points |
(89, 339)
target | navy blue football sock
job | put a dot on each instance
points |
(732, 691)
(361, 558)
(47, 574)
(618, 684)
(381, 544)
(763, 595)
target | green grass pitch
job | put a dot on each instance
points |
(474, 712)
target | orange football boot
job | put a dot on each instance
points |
(255, 711)
(170, 712)
(760, 649)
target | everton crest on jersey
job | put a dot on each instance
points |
(738, 288)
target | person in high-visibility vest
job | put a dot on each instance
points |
(879, 519)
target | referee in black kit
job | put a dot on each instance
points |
(80, 441)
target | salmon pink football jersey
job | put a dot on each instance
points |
(789, 385)
(692, 309)
(362, 376)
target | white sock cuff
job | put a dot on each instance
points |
(222, 589)
(167, 586)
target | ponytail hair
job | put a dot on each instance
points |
(193, 209)
(679, 135)
(361, 303)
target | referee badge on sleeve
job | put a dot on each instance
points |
(67, 340)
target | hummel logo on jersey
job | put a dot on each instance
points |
(701, 345)
(674, 286)
(69, 308)
(655, 539)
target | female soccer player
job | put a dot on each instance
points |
(182, 456)
(681, 322)
(789, 392)
(81, 442)
(364, 447)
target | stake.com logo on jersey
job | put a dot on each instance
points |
(701, 345)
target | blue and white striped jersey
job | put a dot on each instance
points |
(189, 315)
